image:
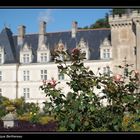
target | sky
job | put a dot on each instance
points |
(57, 19)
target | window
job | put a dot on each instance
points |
(26, 92)
(60, 75)
(135, 50)
(0, 75)
(106, 70)
(43, 57)
(26, 76)
(0, 92)
(0, 58)
(106, 53)
(25, 58)
(43, 74)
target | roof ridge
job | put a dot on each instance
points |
(67, 31)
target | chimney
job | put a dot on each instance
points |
(74, 29)
(42, 32)
(21, 34)
(128, 11)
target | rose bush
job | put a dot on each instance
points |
(82, 109)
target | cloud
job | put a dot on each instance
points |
(46, 15)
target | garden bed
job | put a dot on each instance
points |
(28, 126)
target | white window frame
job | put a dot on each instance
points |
(106, 70)
(43, 74)
(26, 75)
(61, 76)
(26, 58)
(26, 93)
(106, 53)
(43, 57)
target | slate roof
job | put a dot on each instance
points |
(6, 41)
(94, 37)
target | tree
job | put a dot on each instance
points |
(101, 23)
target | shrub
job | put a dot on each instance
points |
(25, 117)
(82, 108)
(45, 120)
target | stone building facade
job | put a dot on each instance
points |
(27, 59)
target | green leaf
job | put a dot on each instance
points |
(72, 126)
(86, 123)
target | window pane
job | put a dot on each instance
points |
(41, 71)
(45, 77)
(28, 95)
(45, 71)
(42, 77)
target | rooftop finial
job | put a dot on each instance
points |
(5, 25)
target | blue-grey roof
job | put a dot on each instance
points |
(6, 41)
(93, 37)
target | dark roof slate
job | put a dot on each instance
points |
(92, 37)
(6, 40)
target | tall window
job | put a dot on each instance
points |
(43, 74)
(25, 58)
(26, 76)
(0, 58)
(135, 50)
(106, 70)
(106, 53)
(0, 75)
(0, 92)
(43, 57)
(60, 75)
(26, 92)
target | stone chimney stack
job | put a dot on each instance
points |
(42, 33)
(21, 34)
(74, 29)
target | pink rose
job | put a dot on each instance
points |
(117, 77)
(52, 82)
(136, 72)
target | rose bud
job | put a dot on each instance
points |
(117, 77)
(75, 51)
(53, 82)
(136, 72)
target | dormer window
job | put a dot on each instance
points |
(83, 45)
(43, 54)
(106, 49)
(106, 53)
(26, 54)
(43, 57)
(25, 58)
(60, 47)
